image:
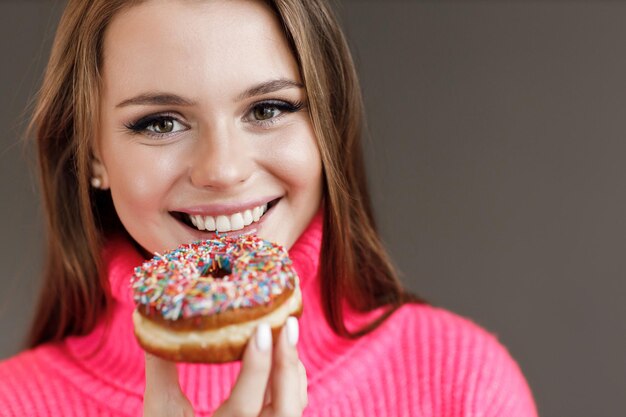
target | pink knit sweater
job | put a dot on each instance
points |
(422, 362)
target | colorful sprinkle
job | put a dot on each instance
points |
(212, 276)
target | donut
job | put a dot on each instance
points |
(203, 301)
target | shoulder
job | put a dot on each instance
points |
(23, 368)
(30, 387)
(440, 324)
(19, 376)
(469, 368)
(445, 330)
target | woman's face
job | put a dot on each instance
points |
(204, 125)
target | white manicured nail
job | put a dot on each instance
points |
(293, 331)
(263, 337)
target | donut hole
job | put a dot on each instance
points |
(218, 268)
(219, 273)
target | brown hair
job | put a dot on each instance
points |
(355, 266)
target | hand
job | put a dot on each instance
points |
(270, 382)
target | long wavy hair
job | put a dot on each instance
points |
(354, 264)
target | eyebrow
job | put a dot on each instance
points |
(159, 99)
(156, 99)
(268, 87)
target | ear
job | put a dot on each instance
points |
(99, 172)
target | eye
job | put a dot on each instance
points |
(267, 112)
(162, 126)
(157, 125)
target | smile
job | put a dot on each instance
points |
(227, 222)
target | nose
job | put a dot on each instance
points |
(221, 160)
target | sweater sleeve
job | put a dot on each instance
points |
(493, 384)
(456, 368)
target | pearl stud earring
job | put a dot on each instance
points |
(96, 182)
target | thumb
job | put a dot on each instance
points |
(163, 395)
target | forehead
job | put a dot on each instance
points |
(192, 47)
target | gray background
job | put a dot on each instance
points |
(496, 155)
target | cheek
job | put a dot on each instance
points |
(297, 162)
(139, 177)
(134, 193)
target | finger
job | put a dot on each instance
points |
(304, 395)
(161, 375)
(268, 392)
(285, 372)
(163, 395)
(246, 397)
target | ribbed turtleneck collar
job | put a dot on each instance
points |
(121, 257)
(110, 357)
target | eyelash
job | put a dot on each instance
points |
(141, 126)
(282, 106)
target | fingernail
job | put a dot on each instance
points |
(263, 337)
(293, 331)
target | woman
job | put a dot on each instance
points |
(155, 111)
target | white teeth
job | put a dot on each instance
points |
(209, 223)
(247, 217)
(256, 214)
(236, 221)
(224, 223)
(200, 222)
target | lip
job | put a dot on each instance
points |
(203, 234)
(225, 209)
